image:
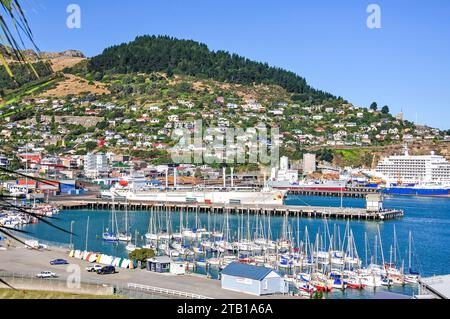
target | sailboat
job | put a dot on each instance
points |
(123, 236)
(412, 276)
(151, 234)
(109, 235)
(132, 247)
(179, 235)
(371, 276)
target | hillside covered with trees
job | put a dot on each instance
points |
(23, 74)
(147, 54)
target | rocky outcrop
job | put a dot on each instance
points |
(45, 55)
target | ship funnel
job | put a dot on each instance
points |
(232, 177)
(167, 177)
(224, 177)
(174, 177)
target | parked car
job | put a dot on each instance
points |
(46, 274)
(59, 262)
(94, 268)
(106, 270)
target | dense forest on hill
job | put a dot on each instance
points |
(22, 75)
(148, 54)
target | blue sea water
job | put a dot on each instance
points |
(427, 218)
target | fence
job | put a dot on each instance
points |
(164, 291)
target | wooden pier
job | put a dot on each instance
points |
(352, 192)
(275, 210)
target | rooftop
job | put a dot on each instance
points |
(161, 260)
(246, 271)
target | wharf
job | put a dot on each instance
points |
(353, 192)
(275, 210)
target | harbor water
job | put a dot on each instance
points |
(427, 218)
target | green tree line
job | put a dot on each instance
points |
(149, 54)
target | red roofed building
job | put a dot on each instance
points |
(319, 130)
(34, 158)
(91, 112)
(159, 146)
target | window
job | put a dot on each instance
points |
(266, 285)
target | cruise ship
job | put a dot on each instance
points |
(415, 175)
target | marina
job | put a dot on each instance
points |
(243, 226)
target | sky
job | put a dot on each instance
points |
(404, 64)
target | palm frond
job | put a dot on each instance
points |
(6, 284)
(14, 29)
(7, 204)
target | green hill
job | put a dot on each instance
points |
(23, 74)
(147, 54)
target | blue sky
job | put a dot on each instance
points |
(405, 64)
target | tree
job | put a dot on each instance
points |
(53, 125)
(186, 57)
(141, 255)
(385, 109)
(102, 125)
(90, 146)
(198, 173)
(374, 106)
(169, 72)
(326, 155)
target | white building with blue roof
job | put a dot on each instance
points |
(253, 280)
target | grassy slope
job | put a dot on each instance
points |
(36, 294)
(19, 94)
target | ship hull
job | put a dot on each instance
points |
(413, 191)
(275, 197)
(325, 187)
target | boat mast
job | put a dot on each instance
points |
(365, 246)
(112, 215)
(126, 217)
(376, 249)
(87, 233)
(409, 250)
(181, 221)
(395, 247)
(150, 222)
(381, 245)
(298, 231)
(248, 227)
